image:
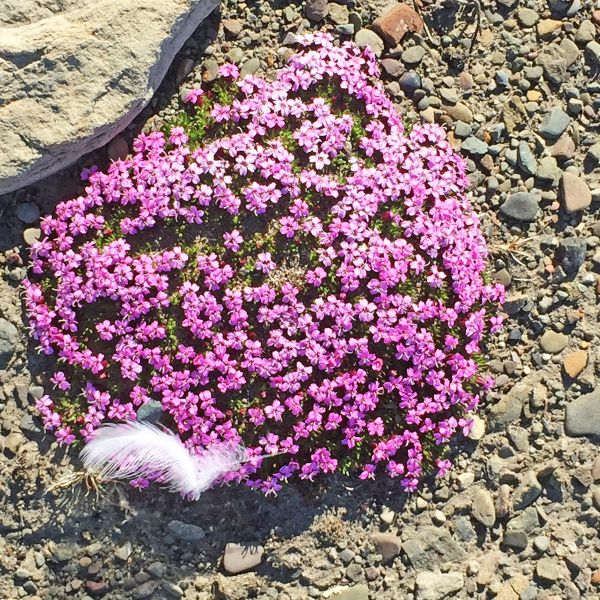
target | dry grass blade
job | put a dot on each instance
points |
(91, 481)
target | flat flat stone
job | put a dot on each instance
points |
(583, 415)
(483, 509)
(575, 193)
(554, 123)
(238, 558)
(75, 76)
(575, 362)
(365, 38)
(435, 586)
(521, 206)
(393, 25)
(387, 544)
(554, 342)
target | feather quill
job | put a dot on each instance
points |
(139, 449)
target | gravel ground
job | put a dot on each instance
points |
(519, 517)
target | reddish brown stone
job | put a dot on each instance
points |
(596, 16)
(396, 22)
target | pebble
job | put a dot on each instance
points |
(575, 193)
(547, 26)
(475, 146)
(583, 415)
(527, 492)
(413, 55)
(547, 569)
(365, 38)
(554, 123)
(575, 362)
(521, 206)
(478, 430)
(31, 235)
(515, 539)
(435, 586)
(571, 254)
(396, 22)
(9, 337)
(186, 531)
(28, 212)
(527, 17)
(483, 508)
(388, 545)
(592, 53)
(238, 558)
(250, 67)
(526, 159)
(553, 342)
(316, 10)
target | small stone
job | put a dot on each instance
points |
(575, 362)
(527, 17)
(527, 492)
(553, 60)
(338, 13)
(460, 112)
(232, 27)
(435, 586)
(527, 521)
(596, 469)
(548, 169)
(547, 569)
(186, 531)
(570, 51)
(210, 69)
(570, 254)
(553, 342)
(124, 551)
(563, 148)
(521, 206)
(478, 429)
(388, 545)
(449, 96)
(28, 212)
(583, 415)
(465, 80)
(250, 67)
(586, 32)
(526, 159)
(465, 480)
(413, 55)
(596, 498)
(117, 149)
(157, 569)
(592, 52)
(592, 158)
(150, 411)
(541, 543)
(9, 337)
(316, 10)
(238, 558)
(595, 579)
(515, 539)
(547, 26)
(514, 113)
(554, 123)
(387, 516)
(31, 235)
(354, 572)
(410, 81)
(475, 146)
(393, 67)
(575, 193)
(483, 508)
(355, 592)
(396, 22)
(365, 38)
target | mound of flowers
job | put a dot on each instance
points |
(287, 267)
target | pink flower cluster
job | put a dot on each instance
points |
(361, 352)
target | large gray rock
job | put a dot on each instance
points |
(70, 81)
(9, 337)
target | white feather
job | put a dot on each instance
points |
(138, 449)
